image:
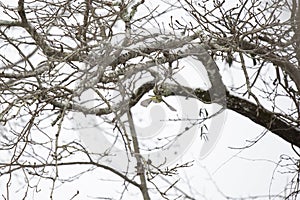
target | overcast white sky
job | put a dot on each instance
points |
(233, 172)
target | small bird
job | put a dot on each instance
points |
(156, 99)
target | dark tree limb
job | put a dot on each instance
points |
(256, 113)
(265, 118)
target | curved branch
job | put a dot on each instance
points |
(258, 114)
(36, 166)
(265, 118)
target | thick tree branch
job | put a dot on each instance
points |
(259, 115)
(11, 23)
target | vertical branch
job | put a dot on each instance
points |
(60, 117)
(136, 149)
(140, 166)
(86, 19)
(297, 30)
(250, 93)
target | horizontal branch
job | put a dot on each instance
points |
(17, 166)
(11, 23)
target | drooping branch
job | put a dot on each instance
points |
(270, 120)
(256, 113)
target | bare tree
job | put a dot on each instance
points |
(65, 60)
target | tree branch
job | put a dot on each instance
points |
(41, 41)
(267, 55)
(17, 166)
(256, 113)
